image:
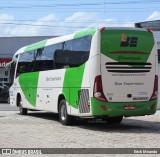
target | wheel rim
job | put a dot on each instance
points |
(63, 113)
(20, 103)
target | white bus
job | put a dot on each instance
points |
(107, 73)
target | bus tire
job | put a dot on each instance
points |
(22, 111)
(64, 118)
(114, 120)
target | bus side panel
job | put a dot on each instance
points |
(84, 94)
(72, 82)
(16, 90)
(29, 84)
(85, 89)
(50, 86)
(13, 93)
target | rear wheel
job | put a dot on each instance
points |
(23, 111)
(64, 118)
(114, 120)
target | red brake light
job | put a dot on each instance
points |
(155, 90)
(149, 30)
(98, 89)
(102, 28)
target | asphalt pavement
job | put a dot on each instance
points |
(43, 130)
(7, 107)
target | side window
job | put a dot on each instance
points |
(73, 53)
(82, 44)
(38, 59)
(158, 55)
(81, 50)
(62, 55)
(25, 63)
(44, 59)
(67, 46)
(48, 56)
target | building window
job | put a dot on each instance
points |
(5, 79)
(6, 72)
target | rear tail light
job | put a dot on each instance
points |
(102, 28)
(104, 107)
(149, 30)
(155, 90)
(152, 106)
(98, 89)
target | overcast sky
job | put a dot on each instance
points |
(48, 17)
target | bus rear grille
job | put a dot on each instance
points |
(127, 67)
(84, 106)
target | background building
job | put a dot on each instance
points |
(155, 26)
(8, 46)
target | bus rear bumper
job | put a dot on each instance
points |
(111, 109)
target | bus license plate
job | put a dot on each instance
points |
(129, 107)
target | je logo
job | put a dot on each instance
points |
(128, 41)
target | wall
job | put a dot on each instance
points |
(9, 45)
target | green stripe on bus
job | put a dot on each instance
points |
(38, 45)
(111, 45)
(72, 84)
(29, 84)
(117, 108)
(85, 33)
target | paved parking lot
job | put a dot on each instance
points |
(43, 130)
(7, 107)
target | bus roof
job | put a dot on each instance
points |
(78, 34)
(55, 40)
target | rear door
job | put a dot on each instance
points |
(127, 64)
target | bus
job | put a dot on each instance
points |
(106, 73)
